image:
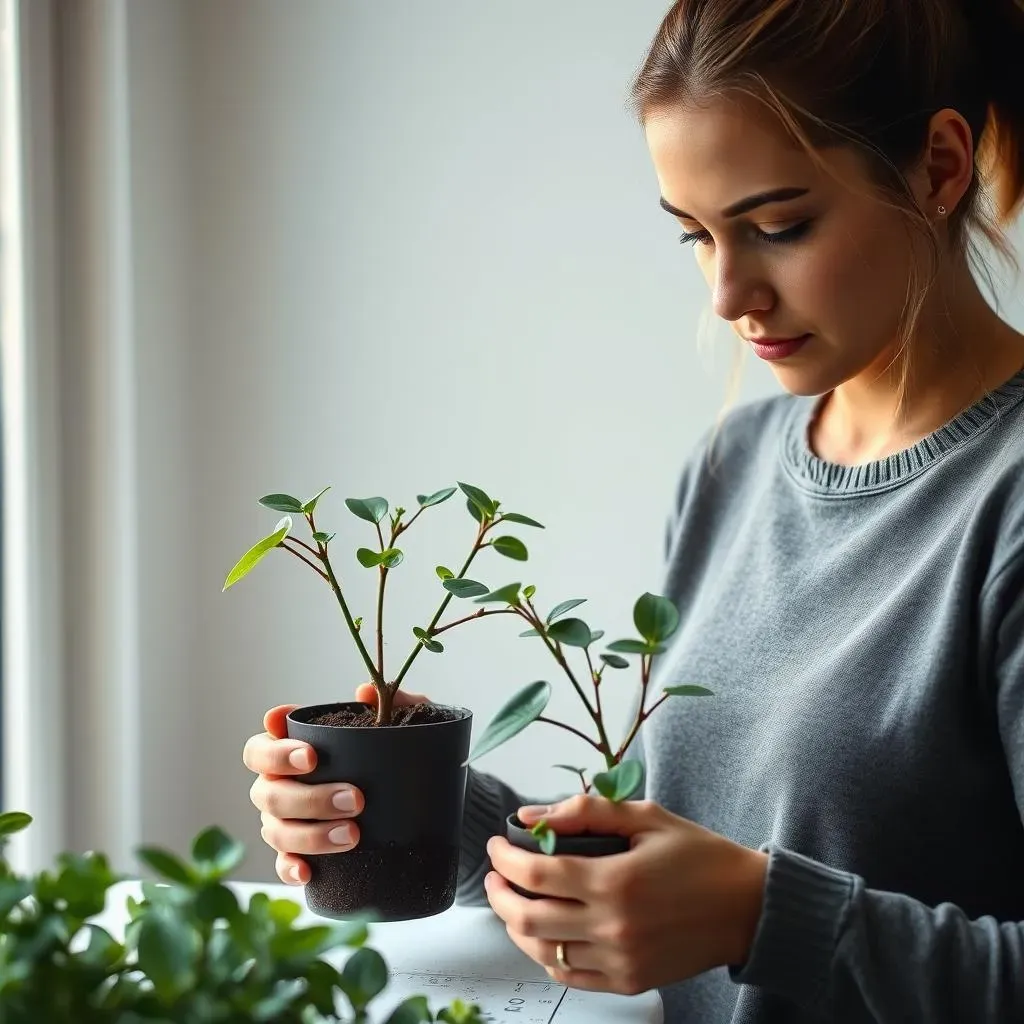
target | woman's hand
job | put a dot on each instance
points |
(298, 818)
(680, 901)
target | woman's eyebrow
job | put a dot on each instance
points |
(777, 195)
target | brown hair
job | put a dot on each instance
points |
(868, 74)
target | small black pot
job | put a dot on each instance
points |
(406, 863)
(584, 844)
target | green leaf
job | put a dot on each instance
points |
(474, 510)
(656, 618)
(273, 1007)
(282, 503)
(464, 588)
(102, 952)
(570, 768)
(614, 661)
(514, 716)
(414, 1010)
(515, 517)
(310, 507)
(596, 635)
(508, 593)
(257, 552)
(373, 510)
(391, 558)
(621, 781)
(436, 498)
(214, 850)
(214, 902)
(530, 632)
(565, 606)
(167, 864)
(635, 647)
(168, 949)
(367, 558)
(14, 821)
(546, 836)
(323, 538)
(425, 638)
(486, 505)
(688, 691)
(511, 547)
(529, 591)
(444, 573)
(364, 976)
(571, 632)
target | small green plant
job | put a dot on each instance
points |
(385, 558)
(191, 953)
(656, 619)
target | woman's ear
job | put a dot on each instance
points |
(946, 168)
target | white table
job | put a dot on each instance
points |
(463, 953)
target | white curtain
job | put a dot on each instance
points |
(71, 545)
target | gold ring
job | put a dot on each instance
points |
(560, 957)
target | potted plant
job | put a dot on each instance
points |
(409, 762)
(191, 952)
(656, 619)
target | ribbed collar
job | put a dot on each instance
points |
(824, 477)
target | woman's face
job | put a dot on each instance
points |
(792, 253)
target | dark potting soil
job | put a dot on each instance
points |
(411, 714)
(399, 883)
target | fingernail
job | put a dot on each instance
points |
(295, 873)
(344, 800)
(341, 835)
(299, 758)
(533, 812)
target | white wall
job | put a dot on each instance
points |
(389, 245)
(426, 248)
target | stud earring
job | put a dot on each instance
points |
(942, 211)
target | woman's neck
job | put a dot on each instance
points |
(962, 350)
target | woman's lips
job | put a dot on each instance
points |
(777, 348)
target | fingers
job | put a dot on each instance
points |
(269, 756)
(292, 870)
(274, 720)
(367, 694)
(288, 798)
(304, 837)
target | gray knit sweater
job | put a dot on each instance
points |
(862, 629)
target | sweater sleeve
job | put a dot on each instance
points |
(489, 801)
(828, 942)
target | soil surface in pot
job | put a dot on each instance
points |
(410, 714)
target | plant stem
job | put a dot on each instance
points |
(382, 582)
(313, 551)
(642, 715)
(375, 676)
(476, 615)
(569, 728)
(481, 532)
(596, 679)
(380, 620)
(556, 652)
(299, 554)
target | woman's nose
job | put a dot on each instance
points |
(738, 288)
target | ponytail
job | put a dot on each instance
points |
(998, 28)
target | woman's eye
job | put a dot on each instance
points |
(694, 238)
(790, 234)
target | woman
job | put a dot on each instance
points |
(837, 836)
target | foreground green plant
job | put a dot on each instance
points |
(191, 952)
(656, 619)
(385, 558)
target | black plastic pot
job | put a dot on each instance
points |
(406, 863)
(584, 844)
